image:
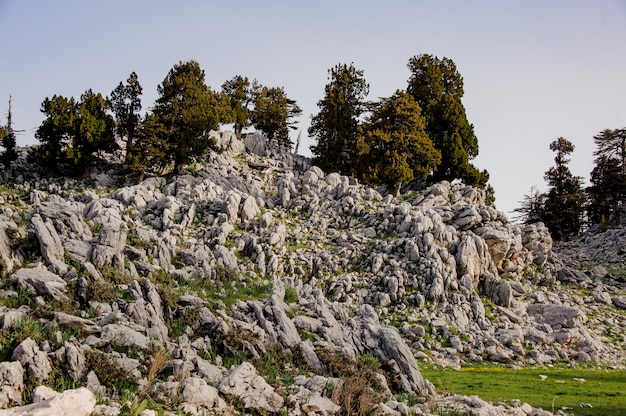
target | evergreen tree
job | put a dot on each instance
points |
(239, 93)
(188, 110)
(611, 144)
(531, 208)
(607, 193)
(126, 105)
(565, 201)
(55, 132)
(393, 146)
(437, 87)
(8, 142)
(150, 150)
(334, 127)
(273, 114)
(93, 132)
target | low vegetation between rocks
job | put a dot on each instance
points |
(258, 284)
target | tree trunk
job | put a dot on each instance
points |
(395, 190)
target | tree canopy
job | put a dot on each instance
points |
(7, 137)
(437, 87)
(564, 202)
(240, 96)
(607, 192)
(334, 127)
(188, 109)
(126, 105)
(393, 146)
(274, 114)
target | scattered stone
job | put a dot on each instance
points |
(252, 389)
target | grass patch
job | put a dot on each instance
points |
(604, 389)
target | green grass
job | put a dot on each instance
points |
(604, 389)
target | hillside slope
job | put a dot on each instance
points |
(260, 284)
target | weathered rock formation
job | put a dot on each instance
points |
(257, 257)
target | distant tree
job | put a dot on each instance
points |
(393, 146)
(611, 144)
(93, 132)
(565, 201)
(239, 93)
(150, 149)
(437, 87)
(607, 193)
(126, 105)
(188, 110)
(531, 207)
(273, 114)
(55, 132)
(334, 127)
(73, 132)
(8, 142)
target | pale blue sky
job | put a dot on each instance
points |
(534, 70)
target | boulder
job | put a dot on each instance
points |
(39, 281)
(110, 245)
(11, 383)
(81, 324)
(78, 402)
(249, 209)
(619, 301)
(34, 360)
(252, 389)
(319, 405)
(557, 316)
(123, 335)
(49, 243)
(197, 392)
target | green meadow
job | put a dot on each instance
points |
(548, 388)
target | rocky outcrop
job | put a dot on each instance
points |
(254, 392)
(255, 254)
(46, 402)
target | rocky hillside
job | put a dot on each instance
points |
(258, 284)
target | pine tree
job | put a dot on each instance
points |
(393, 146)
(334, 127)
(126, 105)
(239, 93)
(607, 193)
(273, 114)
(93, 132)
(55, 132)
(437, 87)
(150, 149)
(8, 142)
(188, 110)
(565, 201)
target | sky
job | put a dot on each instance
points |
(533, 70)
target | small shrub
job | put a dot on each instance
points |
(291, 295)
(102, 291)
(109, 372)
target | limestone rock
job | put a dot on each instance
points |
(124, 335)
(35, 361)
(319, 405)
(619, 301)
(196, 391)
(49, 243)
(252, 389)
(78, 402)
(111, 242)
(40, 282)
(11, 383)
(81, 324)
(557, 316)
